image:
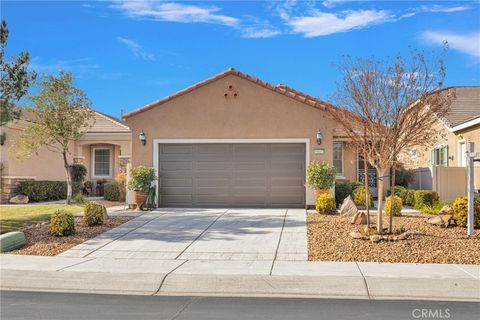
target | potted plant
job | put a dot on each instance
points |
(141, 178)
(320, 177)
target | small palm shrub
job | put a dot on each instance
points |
(425, 198)
(320, 175)
(78, 172)
(93, 214)
(326, 204)
(460, 212)
(359, 197)
(397, 206)
(62, 223)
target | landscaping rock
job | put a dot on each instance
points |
(375, 238)
(105, 214)
(359, 218)
(356, 235)
(19, 199)
(446, 210)
(443, 220)
(348, 207)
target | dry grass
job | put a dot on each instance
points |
(41, 243)
(329, 240)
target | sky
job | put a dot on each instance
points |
(125, 54)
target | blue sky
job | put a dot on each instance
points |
(125, 54)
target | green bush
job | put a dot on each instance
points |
(398, 191)
(79, 198)
(425, 198)
(397, 206)
(359, 197)
(326, 204)
(320, 175)
(342, 191)
(460, 212)
(78, 172)
(111, 191)
(93, 214)
(40, 190)
(62, 223)
(141, 178)
(432, 210)
(404, 177)
(408, 197)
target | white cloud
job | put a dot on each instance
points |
(332, 3)
(137, 49)
(175, 12)
(253, 32)
(465, 43)
(321, 23)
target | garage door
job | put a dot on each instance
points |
(232, 175)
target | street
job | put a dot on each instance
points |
(51, 306)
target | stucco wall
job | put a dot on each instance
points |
(256, 112)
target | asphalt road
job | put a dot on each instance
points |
(51, 306)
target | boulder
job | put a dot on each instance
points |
(375, 238)
(446, 210)
(356, 235)
(105, 214)
(443, 220)
(359, 218)
(348, 207)
(19, 199)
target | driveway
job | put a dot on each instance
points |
(204, 234)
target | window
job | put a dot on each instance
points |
(440, 156)
(101, 166)
(338, 157)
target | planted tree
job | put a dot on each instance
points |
(15, 79)
(60, 114)
(389, 108)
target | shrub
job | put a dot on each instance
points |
(342, 191)
(326, 204)
(121, 179)
(62, 223)
(93, 214)
(397, 206)
(408, 197)
(425, 198)
(320, 175)
(111, 191)
(398, 191)
(78, 172)
(460, 212)
(359, 197)
(79, 198)
(432, 210)
(404, 177)
(40, 190)
(141, 178)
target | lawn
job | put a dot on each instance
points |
(18, 216)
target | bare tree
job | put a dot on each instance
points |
(390, 107)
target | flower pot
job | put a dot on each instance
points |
(317, 192)
(139, 199)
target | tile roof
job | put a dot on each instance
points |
(280, 88)
(103, 123)
(465, 106)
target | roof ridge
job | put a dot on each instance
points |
(111, 120)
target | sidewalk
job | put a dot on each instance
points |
(362, 280)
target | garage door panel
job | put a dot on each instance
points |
(236, 175)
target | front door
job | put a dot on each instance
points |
(372, 175)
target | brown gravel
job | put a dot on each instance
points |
(329, 240)
(41, 243)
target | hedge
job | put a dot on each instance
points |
(39, 190)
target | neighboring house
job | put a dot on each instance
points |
(234, 140)
(104, 149)
(459, 126)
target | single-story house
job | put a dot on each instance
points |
(235, 140)
(459, 127)
(104, 149)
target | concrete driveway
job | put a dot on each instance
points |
(204, 234)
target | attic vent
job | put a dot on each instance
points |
(230, 92)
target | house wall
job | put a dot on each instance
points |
(256, 112)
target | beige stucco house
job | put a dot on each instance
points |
(104, 149)
(459, 127)
(235, 140)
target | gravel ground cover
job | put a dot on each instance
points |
(41, 243)
(329, 240)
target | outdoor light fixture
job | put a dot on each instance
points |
(319, 137)
(142, 138)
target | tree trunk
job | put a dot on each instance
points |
(381, 174)
(367, 192)
(68, 178)
(392, 198)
